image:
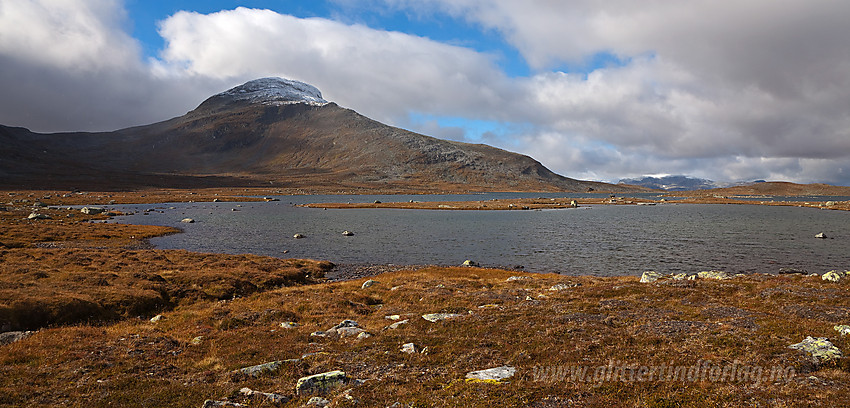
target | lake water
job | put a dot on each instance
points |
(595, 240)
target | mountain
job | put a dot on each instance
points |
(270, 132)
(671, 183)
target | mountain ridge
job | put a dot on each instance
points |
(273, 132)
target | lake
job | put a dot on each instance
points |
(594, 240)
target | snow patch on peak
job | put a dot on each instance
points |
(275, 91)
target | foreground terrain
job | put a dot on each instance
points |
(87, 292)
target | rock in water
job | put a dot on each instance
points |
(91, 210)
(187, 220)
(320, 383)
(820, 348)
(298, 236)
(492, 374)
(470, 263)
(820, 235)
(347, 233)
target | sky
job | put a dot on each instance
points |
(596, 90)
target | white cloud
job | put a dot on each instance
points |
(721, 90)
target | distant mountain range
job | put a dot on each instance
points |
(271, 132)
(671, 183)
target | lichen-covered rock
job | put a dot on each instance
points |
(318, 402)
(842, 329)
(288, 325)
(719, 275)
(436, 317)
(650, 276)
(257, 370)
(268, 396)
(834, 276)
(320, 383)
(492, 374)
(819, 348)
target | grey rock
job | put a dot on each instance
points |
(14, 336)
(298, 236)
(820, 235)
(346, 323)
(563, 286)
(257, 370)
(187, 220)
(349, 331)
(318, 402)
(215, 404)
(436, 317)
(347, 233)
(320, 383)
(492, 374)
(719, 275)
(37, 216)
(363, 335)
(398, 324)
(288, 325)
(268, 396)
(157, 318)
(650, 276)
(92, 210)
(410, 348)
(517, 278)
(818, 347)
(470, 263)
(369, 283)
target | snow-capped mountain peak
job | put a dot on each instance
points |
(275, 91)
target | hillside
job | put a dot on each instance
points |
(271, 132)
(772, 188)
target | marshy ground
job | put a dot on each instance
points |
(88, 290)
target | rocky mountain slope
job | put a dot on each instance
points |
(274, 132)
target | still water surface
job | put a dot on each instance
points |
(595, 240)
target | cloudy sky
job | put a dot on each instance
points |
(725, 90)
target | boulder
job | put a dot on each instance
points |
(346, 323)
(492, 374)
(298, 236)
(563, 286)
(268, 396)
(517, 278)
(834, 276)
(470, 263)
(157, 318)
(369, 283)
(410, 348)
(573, 204)
(344, 332)
(436, 317)
(37, 216)
(820, 235)
(320, 383)
(257, 370)
(216, 404)
(288, 325)
(187, 220)
(14, 336)
(820, 348)
(650, 276)
(719, 275)
(347, 233)
(92, 210)
(398, 324)
(318, 402)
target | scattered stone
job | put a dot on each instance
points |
(319, 333)
(268, 396)
(820, 235)
(470, 263)
(650, 276)
(564, 286)
(197, 340)
(347, 233)
(719, 275)
(298, 236)
(834, 276)
(37, 216)
(214, 404)
(92, 210)
(392, 317)
(410, 348)
(492, 374)
(398, 324)
(369, 283)
(318, 402)
(436, 317)
(288, 325)
(820, 348)
(842, 329)
(13, 336)
(157, 318)
(257, 370)
(517, 278)
(187, 220)
(320, 383)
(349, 331)
(346, 323)
(573, 204)
(363, 335)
